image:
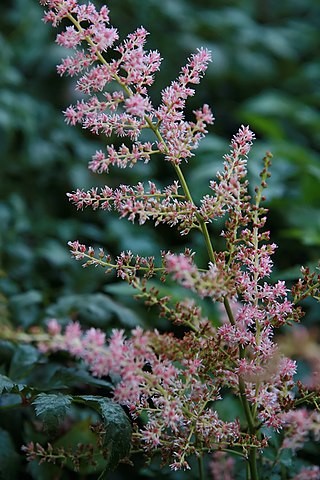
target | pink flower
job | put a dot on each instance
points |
(299, 425)
(53, 327)
(308, 473)
(221, 466)
(138, 105)
(70, 38)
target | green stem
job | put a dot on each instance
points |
(200, 468)
(253, 464)
(229, 311)
(246, 407)
(202, 223)
(252, 460)
(307, 293)
(185, 188)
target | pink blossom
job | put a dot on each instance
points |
(173, 390)
(221, 466)
(138, 105)
(53, 326)
(299, 425)
(102, 36)
(138, 203)
(214, 283)
(230, 189)
(75, 64)
(70, 38)
(95, 80)
(196, 66)
(308, 473)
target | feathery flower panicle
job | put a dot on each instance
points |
(166, 206)
(230, 188)
(174, 396)
(131, 71)
(214, 283)
(175, 384)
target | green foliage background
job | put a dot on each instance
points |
(265, 72)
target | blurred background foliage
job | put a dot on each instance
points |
(265, 72)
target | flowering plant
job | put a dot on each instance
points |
(170, 388)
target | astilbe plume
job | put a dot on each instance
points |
(178, 382)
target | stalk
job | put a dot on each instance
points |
(200, 468)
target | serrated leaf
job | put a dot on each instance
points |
(8, 386)
(52, 408)
(117, 427)
(9, 458)
(5, 384)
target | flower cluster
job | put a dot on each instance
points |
(128, 109)
(165, 206)
(299, 425)
(216, 282)
(175, 383)
(230, 188)
(176, 391)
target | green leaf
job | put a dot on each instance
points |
(125, 315)
(66, 377)
(91, 308)
(8, 386)
(117, 427)
(23, 361)
(9, 458)
(97, 309)
(81, 433)
(5, 384)
(52, 408)
(286, 457)
(25, 306)
(43, 471)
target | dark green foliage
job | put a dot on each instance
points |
(93, 309)
(52, 408)
(116, 427)
(13, 392)
(7, 385)
(66, 377)
(23, 361)
(9, 458)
